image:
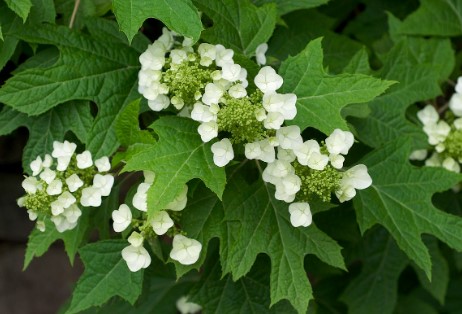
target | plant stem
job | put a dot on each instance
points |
(74, 13)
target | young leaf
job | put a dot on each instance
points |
(20, 7)
(51, 126)
(400, 200)
(174, 165)
(445, 17)
(376, 286)
(320, 95)
(258, 223)
(106, 275)
(238, 24)
(179, 15)
(107, 78)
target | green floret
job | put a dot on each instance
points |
(317, 184)
(453, 144)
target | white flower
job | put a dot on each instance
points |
(459, 85)
(300, 214)
(178, 56)
(91, 196)
(304, 151)
(30, 185)
(357, 177)
(458, 123)
(186, 307)
(289, 137)
(74, 182)
(451, 165)
(122, 218)
(222, 152)
(282, 103)
(336, 161)
(103, 164)
(72, 213)
(317, 161)
(84, 160)
(65, 149)
(57, 207)
(339, 142)
(140, 197)
(290, 184)
(104, 183)
(260, 53)
(136, 257)
(135, 239)
(208, 53)
(62, 224)
(159, 103)
(212, 94)
(437, 133)
(166, 39)
(154, 57)
(237, 91)
(420, 154)
(252, 150)
(161, 222)
(433, 161)
(455, 104)
(283, 196)
(36, 166)
(428, 115)
(223, 55)
(267, 80)
(179, 203)
(66, 199)
(40, 225)
(273, 120)
(177, 102)
(48, 175)
(208, 131)
(230, 72)
(21, 201)
(185, 250)
(55, 187)
(47, 161)
(268, 153)
(286, 154)
(203, 113)
(345, 193)
(32, 215)
(63, 162)
(440, 148)
(260, 114)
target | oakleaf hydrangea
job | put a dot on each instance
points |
(63, 183)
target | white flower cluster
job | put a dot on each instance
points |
(444, 135)
(185, 250)
(63, 181)
(304, 169)
(208, 81)
(187, 307)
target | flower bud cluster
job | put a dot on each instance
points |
(208, 81)
(306, 171)
(444, 135)
(185, 250)
(63, 182)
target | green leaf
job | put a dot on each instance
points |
(179, 15)
(320, 95)
(238, 24)
(20, 7)
(445, 17)
(51, 126)
(377, 284)
(39, 242)
(249, 294)
(440, 272)
(418, 65)
(286, 6)
(258, 223)
(108, 79)
(106, 275)
(400, 200)
(175, 165)
(127, 126)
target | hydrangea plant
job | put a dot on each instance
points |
(239, 156)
